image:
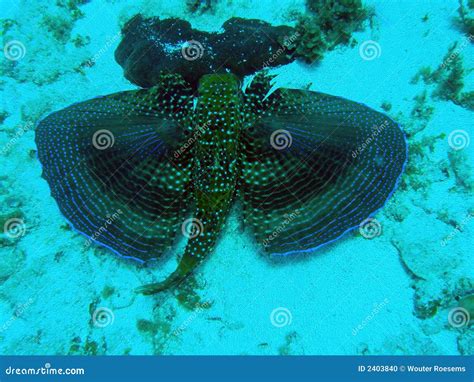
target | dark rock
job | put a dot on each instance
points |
(152, 47)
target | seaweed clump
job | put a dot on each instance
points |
(449, 77)
(466, 15)
(199, 6)
(331, 23)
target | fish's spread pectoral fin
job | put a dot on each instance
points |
(109, 163)
(314, 166)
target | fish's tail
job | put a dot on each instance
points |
(202, 232)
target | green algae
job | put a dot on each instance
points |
(449, 77)
(387, 106)
(288, 348)
(200, 6)
(422, 110)
(186, 294)
(467, 302)
(329, 24)
(89, 347)
(466, 16)
(107, 291)
(149, 327)
(157, 331)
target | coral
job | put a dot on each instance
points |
(466, 343)
(432, 296)
(52, 27)
(462, 169)
(332, 24)
(12, 261)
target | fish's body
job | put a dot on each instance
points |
(308, 167)
(215, 151)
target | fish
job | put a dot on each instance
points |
(307, 167)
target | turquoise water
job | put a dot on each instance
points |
(403, 285)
